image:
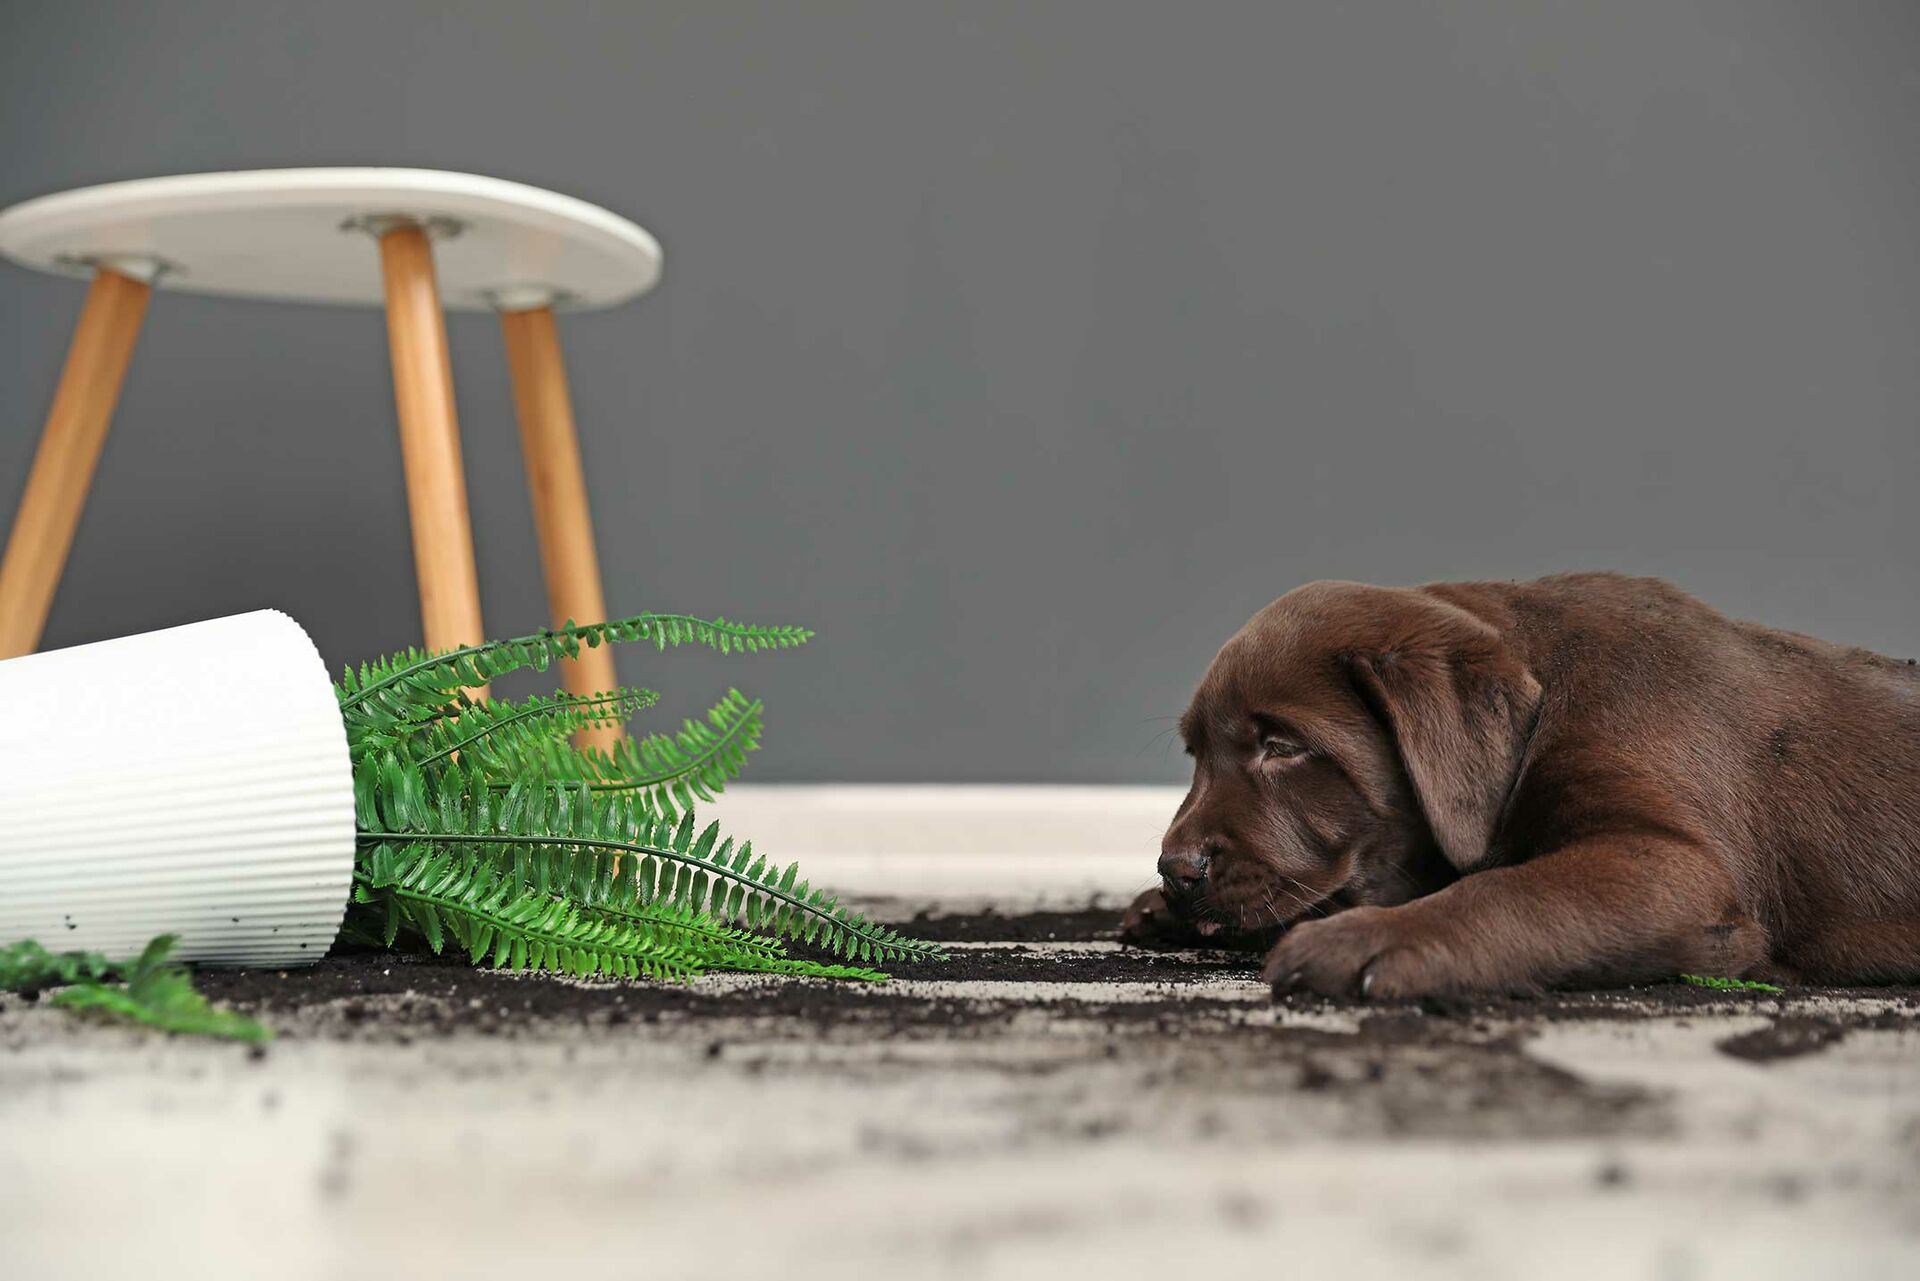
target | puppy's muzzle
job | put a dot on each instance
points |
(1183, 869)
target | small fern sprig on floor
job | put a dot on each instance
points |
(482, 824)
(152, 988)
(29, 968)
(1728, 985)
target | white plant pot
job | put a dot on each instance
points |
(192, 781)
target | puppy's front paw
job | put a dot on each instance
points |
(1372, 952)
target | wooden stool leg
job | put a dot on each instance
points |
(430, 442)
(69, 448)
(559, 488)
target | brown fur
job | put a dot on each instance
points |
(1587, 779)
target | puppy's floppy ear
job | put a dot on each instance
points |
(1460, 706)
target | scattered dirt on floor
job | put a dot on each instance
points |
(1784, 1038)
(1086, 925)
(384, 994)
(1792, 1035)
(1043, 1081)
(1176, 1047)
(1082, 1035)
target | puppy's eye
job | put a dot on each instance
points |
(1275, 747)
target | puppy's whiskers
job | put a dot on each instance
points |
(1272, 911)
(1166, 734)
(1301, 904)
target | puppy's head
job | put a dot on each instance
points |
(1350, 745)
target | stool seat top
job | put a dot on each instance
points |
(306, 235)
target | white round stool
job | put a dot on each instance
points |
(309, 235)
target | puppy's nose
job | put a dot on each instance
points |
(1184, 868)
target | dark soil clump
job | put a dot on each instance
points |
(1084, 926)
(1784, 1038)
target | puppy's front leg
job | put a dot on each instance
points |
(1607, 910)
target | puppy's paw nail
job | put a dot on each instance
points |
(1366, 984)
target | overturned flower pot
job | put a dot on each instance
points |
(193, 781)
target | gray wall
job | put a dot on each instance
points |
(1024, 350)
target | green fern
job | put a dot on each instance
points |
(483, 825)
(1728, 985)
(503, 733)
(534, 828)
(489, 913)
(152, 988)
(28, 967)
(414, 684)
(670, 772)
(501, 918)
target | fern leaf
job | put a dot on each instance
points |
(163, 999)
(501, 732)
(414, 682)
(28, 967)
(469, 899)
(676, 863)
(483, 827)
(671, 772)
(725, 947)
(153, 988)
(1729, 985)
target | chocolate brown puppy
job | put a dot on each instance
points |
(1583, 780)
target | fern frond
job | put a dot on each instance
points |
(1728, 985)
(445, 894)
(795, 967)
(28, 967)
(496, 919)
(726, 947)
(401, 687)
(163, 998)
(483, 824)
(696, 763)
(153, 988)
(505, 728)
(498, 734)
(533, 827)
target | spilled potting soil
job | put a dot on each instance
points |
(1008, 974)
(1043, 1097)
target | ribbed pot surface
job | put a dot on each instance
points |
(191, 781)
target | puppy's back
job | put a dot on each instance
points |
(1800, 756)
